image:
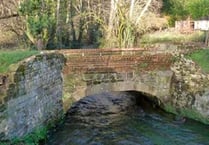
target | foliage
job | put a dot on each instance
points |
(201, 57)
(11, 57)
(125, 33)
(112, 23)
(58, 24)
(55, 24)
(128, 22)
(182, 9)
(176, 9)
(39, 20)
(198, 8)
(33, 138)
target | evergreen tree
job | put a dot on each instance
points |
(40, 20)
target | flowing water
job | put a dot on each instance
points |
(136, 126)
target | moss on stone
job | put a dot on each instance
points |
(169, 108)
(34, 138)
(69, 83)
(67, 101)
(193, 114)
(2, 107)
(20, 72)
(143, 65)
(11, 92)
(69, 86)
(187, 112)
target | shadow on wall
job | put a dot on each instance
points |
(145, 100)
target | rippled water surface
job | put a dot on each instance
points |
(137, 127)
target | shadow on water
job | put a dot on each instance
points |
(110, 121)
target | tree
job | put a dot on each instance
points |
(126, 20)
(77, 19)
(39, 17)
(58, 24)
(176, 9)
(182, 9)
(64, 23)
(113, 10)
(199, 9)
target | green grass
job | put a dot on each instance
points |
(201, 57)
(11, 57)
(172, 37)
(34, 138)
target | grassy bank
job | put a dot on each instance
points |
(38, 137)
(201, 57)
(172, 36)
(11, 57)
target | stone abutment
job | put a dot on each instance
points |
(33, 97)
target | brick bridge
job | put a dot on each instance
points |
(35, 94)
(91, 71)
(103, 61)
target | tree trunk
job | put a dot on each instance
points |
(81, 23)
(58, 33)
(28, 32)
(131, 9)
(207, 38)
(113, 11)
(71, 22)
(80, 35)
(144, 10)
(40, 44)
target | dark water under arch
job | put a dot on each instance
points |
(134, 120)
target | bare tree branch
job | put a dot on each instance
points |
(143, 11)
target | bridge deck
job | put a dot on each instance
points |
(115, 60)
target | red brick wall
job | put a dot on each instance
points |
(115, 60)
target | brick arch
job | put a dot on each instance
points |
(92, 71)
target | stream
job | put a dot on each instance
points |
(124, 118)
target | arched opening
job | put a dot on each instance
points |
(92, 109)
(112, 103)
(145, 101)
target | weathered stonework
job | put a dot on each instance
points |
(153, 83)
(190, 91)
(3, 86)
(34, 96)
